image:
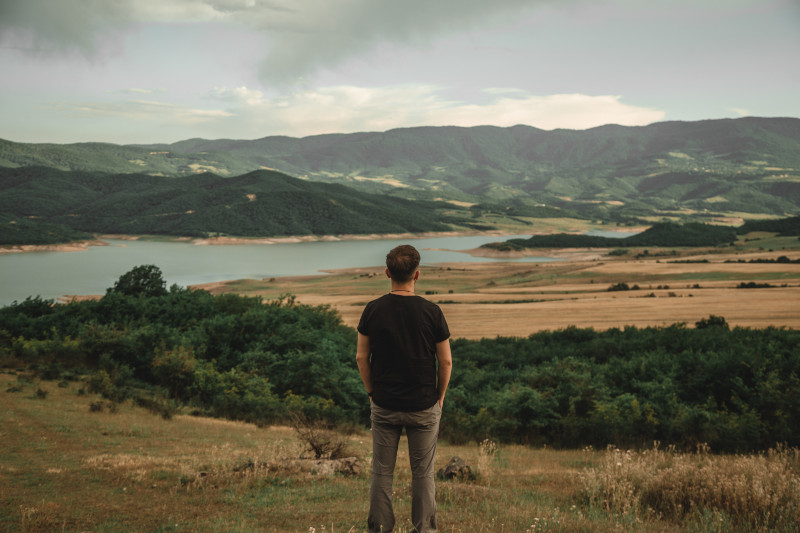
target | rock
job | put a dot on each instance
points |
(346, 466)
(456, 469)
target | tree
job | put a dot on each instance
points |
(713, 321)
(143, 280)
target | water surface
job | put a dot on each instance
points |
(55, 274)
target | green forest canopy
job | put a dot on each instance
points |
(669, 234)
(236, 357)
(42, 205)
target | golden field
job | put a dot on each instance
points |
(517, 298)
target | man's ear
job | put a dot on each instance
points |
(416, 275)
(388, 275)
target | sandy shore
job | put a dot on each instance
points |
(100, 240)
(78, 246)
(347, 237)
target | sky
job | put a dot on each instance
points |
(160, 71)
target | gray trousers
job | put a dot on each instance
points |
(422, 430)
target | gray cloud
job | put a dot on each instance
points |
(325, 33)
(60, 26)
(303, 36)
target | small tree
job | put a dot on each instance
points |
(143, 280)
(713, 321)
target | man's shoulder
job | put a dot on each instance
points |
(390, 299)
(427, 303)
(378, 300)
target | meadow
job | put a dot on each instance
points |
(66, 467)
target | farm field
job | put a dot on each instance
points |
(517, 299)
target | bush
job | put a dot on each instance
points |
(236, 357)
(160, 406)
(712, 321)
(754, 285)
(321, 440)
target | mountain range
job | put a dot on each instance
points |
(749, 167)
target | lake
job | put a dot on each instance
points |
(55, 274)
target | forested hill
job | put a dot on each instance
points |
(749, 165)
(36, 201)
(660, 234)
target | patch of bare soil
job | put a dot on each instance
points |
(78, 246)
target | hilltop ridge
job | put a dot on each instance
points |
(415, 179)
(749, 165)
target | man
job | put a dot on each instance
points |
(401, 338)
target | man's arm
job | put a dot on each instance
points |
(362, 359)
(445, 359)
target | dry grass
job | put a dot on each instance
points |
(517, 299)
(64, 468)
(740, 492)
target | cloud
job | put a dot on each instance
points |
(352, 109)
(66, 25)
(572, 111)
(244, 113)
(148, 111)
(741, 111)
(303, 36)
(141, 90)
(322, 34)
(240, 95)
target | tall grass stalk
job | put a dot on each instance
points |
(758, 492)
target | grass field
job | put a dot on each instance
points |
(517, 299)
(66, 468)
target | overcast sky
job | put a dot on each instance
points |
(144, 71)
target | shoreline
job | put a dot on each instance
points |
(565, 254)
(100, 240)
(223, 241)
(76, 246)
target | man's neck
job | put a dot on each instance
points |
(403, 289)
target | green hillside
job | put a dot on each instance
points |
(260, 203)
(783, 226)
(748, 165)
(662, 234)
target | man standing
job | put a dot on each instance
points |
(401, 338)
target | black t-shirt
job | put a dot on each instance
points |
(403, 332)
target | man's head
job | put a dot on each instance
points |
(402, 262)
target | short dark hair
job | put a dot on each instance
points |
(402, 261)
